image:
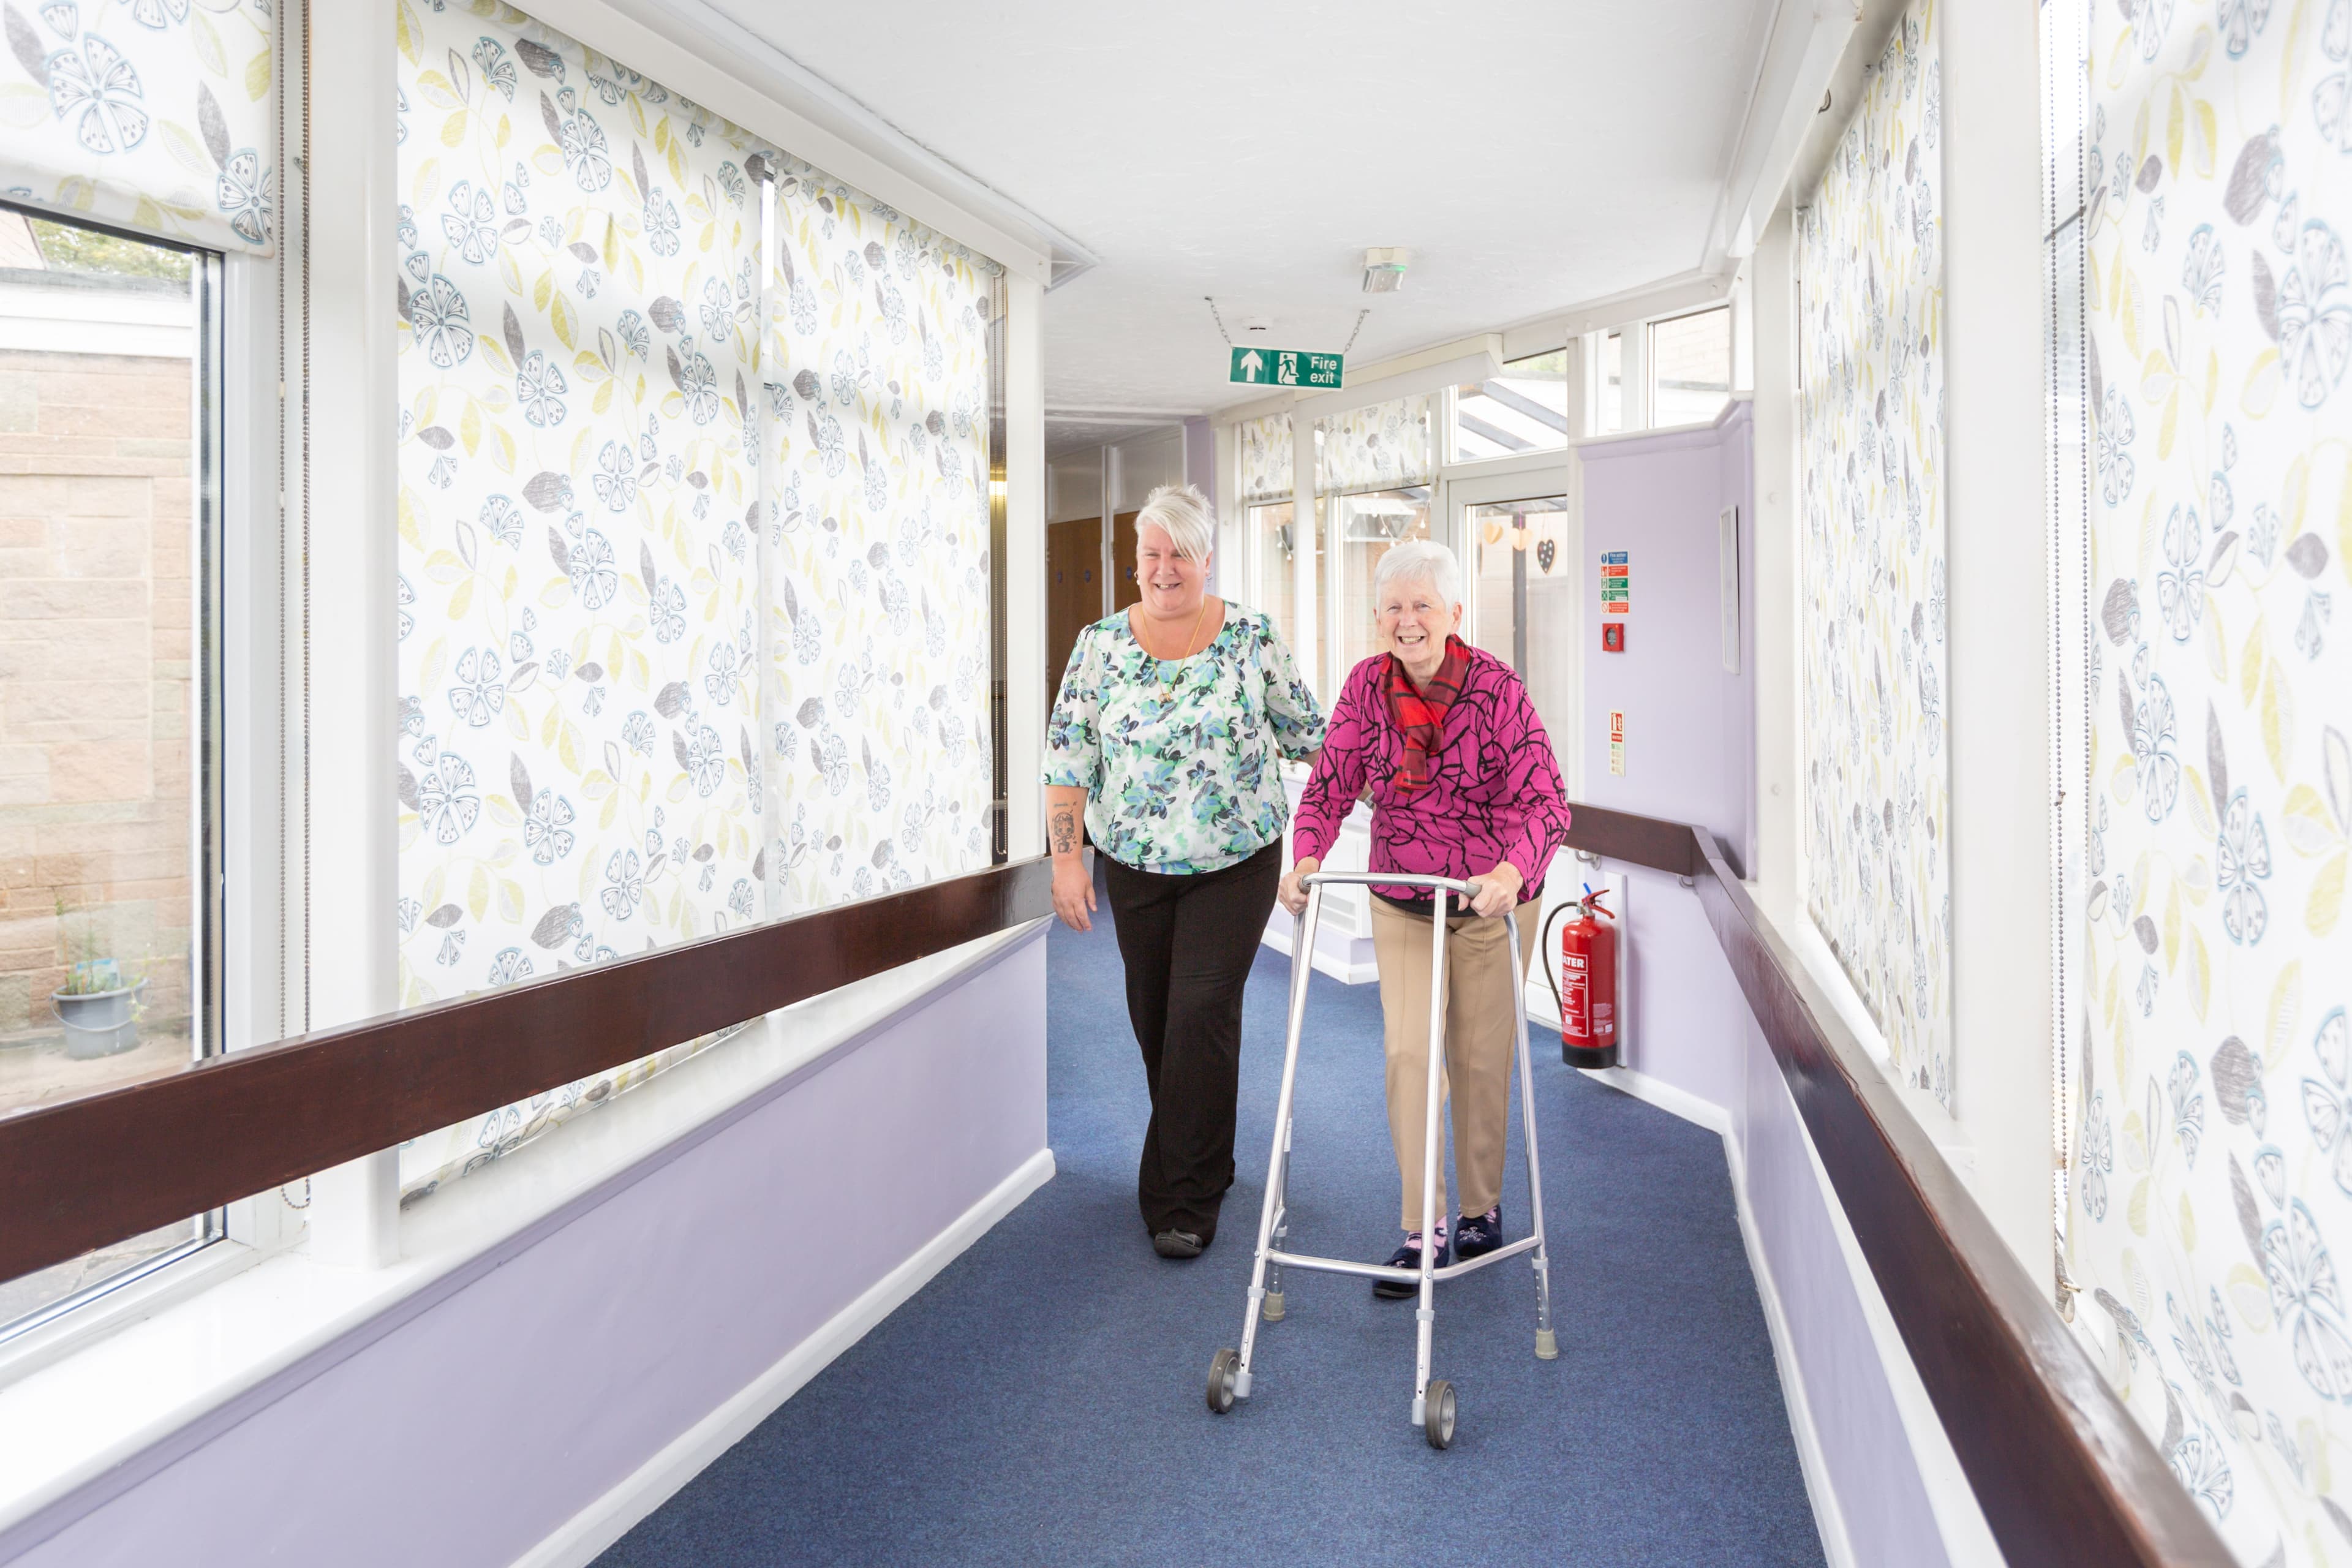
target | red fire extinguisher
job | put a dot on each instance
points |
(1586, 991)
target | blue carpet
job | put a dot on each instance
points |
(1040, 1401)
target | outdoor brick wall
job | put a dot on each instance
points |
(95, 665)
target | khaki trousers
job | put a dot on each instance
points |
(1481, 1036)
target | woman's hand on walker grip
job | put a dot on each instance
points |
(1498, 890)
(1293, 893)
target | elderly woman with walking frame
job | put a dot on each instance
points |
(1443, 741)
(1166, 744)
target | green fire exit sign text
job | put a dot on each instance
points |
(1285, 367)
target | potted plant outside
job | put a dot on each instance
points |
(99, 1012)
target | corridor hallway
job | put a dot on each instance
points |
(577, 578)
(1039, 1401)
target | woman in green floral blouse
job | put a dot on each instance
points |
(1165, 744)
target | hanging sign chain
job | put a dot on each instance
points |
(1217, 316)
(1218, 319)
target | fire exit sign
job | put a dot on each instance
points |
(1285, 367)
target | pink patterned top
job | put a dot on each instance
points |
(1494, 793)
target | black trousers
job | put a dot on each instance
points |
(1188, 942)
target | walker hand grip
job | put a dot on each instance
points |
(1456, 885)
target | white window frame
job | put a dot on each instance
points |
(237, 483)
(1521, 478)
(1730, 308)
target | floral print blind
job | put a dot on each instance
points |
(693, 520)
(1877, 775)
(1267, 457)
(2212, 1172)
(877, 473)
(1380, 446)
(156, 115)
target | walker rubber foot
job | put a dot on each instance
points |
(1547, 1345)
(1272, 1311)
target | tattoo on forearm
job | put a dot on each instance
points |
(1064, 822)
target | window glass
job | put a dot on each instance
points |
(1525, 409)
(1277, 576)
(1690, 367)
(1519, 593)
(103, 771)
(1612, 384)
(1310, 656)
(1371, 525)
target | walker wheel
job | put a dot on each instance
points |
(1437, 1418)
(1223, 1368)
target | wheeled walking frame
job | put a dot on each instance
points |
(1433, 1399)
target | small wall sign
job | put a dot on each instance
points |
(1616, 582)
(1617, 742)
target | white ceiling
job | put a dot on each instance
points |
(1533, 154)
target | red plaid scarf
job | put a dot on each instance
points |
(1419, 711)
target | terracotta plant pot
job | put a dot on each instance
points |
(99, 1022)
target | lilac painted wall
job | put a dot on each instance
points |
(1690, 1028)
(1888, 1517)
(468, 1433)
(1689, 726)
(1690, 756)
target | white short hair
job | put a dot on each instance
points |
(1417, 561)
(1185, 514)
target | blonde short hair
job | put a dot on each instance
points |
(1183, 512)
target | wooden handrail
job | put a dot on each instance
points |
(88, 1172)
(2063, 1474)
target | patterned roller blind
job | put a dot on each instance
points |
(579, 641)
(694, 532)
(2212, 1172)
(1382, 445)
(1877, 771)
(876, 463)
(1267, 458)
(157, 115)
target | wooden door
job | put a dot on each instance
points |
(1124, 589)
(1074, 596)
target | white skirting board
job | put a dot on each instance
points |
(1827, 1517)
(586, 1534)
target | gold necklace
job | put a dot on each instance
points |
(1168, 683)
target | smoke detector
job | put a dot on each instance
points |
(1385, 269)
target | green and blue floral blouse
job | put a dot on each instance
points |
(1178, 756)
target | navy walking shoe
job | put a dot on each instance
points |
(1478, 1234)
(1409, 1256)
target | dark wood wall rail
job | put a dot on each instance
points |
(2064, 1475)
(91, 1171)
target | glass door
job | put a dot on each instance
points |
(1517, 537)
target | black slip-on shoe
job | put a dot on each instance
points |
(1409, 1256)
(1478, 1234)
(1177, 1244)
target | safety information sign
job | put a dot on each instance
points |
(1616, 582)
(1286, 368)
(1617, 742)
